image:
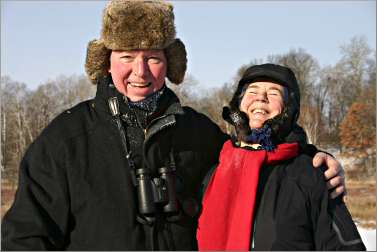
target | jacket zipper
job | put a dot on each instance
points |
(171, 244)
(161, 127)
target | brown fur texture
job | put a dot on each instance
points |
(177, 61)
(97, 60)
(137, 24)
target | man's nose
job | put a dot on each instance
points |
(141, 68)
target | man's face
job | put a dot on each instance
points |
(262, 101)
(138, 73)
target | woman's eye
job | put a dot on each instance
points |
(274, 93)
(252, 92)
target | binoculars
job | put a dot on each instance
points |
(156, 194)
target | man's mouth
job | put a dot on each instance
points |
(139, 85)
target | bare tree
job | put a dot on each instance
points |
(347, 82)
(188, 91)
(306, 70)
(14, 124)
(213, 102)
(25, 113)
(355, 56)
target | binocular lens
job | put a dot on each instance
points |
(156, 191)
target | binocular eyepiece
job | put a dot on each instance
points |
(156, 193)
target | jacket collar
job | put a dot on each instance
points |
(168, 104)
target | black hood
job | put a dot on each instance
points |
(284, 126)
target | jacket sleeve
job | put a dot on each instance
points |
(333, 226)
(211, 142)
(208, 138)
(38, 218)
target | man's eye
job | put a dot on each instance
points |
(154, 60)
(127, 58)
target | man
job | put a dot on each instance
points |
(121, 171)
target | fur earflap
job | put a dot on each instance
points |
(138, 24)
(97, 60)
(239, 120)
(177, 61)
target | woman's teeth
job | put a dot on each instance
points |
(260, 111)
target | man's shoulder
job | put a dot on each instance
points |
(194, 120)
(194, 116)
(70, 122)
(196, 125)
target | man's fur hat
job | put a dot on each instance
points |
(137, 24)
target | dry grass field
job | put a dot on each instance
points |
(360, 200)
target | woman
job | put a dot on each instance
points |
(264, 194)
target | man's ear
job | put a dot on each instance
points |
(109, 67)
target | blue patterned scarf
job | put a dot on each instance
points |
(149, 104)
(261, 136)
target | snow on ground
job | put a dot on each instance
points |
(369, 238)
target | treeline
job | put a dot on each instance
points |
(25, 113)
(338, 103)
(327, 93)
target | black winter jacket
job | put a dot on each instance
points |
(294, 211)
(76, 192)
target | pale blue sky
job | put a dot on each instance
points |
(42, 39)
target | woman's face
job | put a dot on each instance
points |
(262, 101)
(138, 73)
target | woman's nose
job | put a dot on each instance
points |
(261, 96)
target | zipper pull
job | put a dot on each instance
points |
(114, 106)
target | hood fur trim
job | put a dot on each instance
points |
(283, 124)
